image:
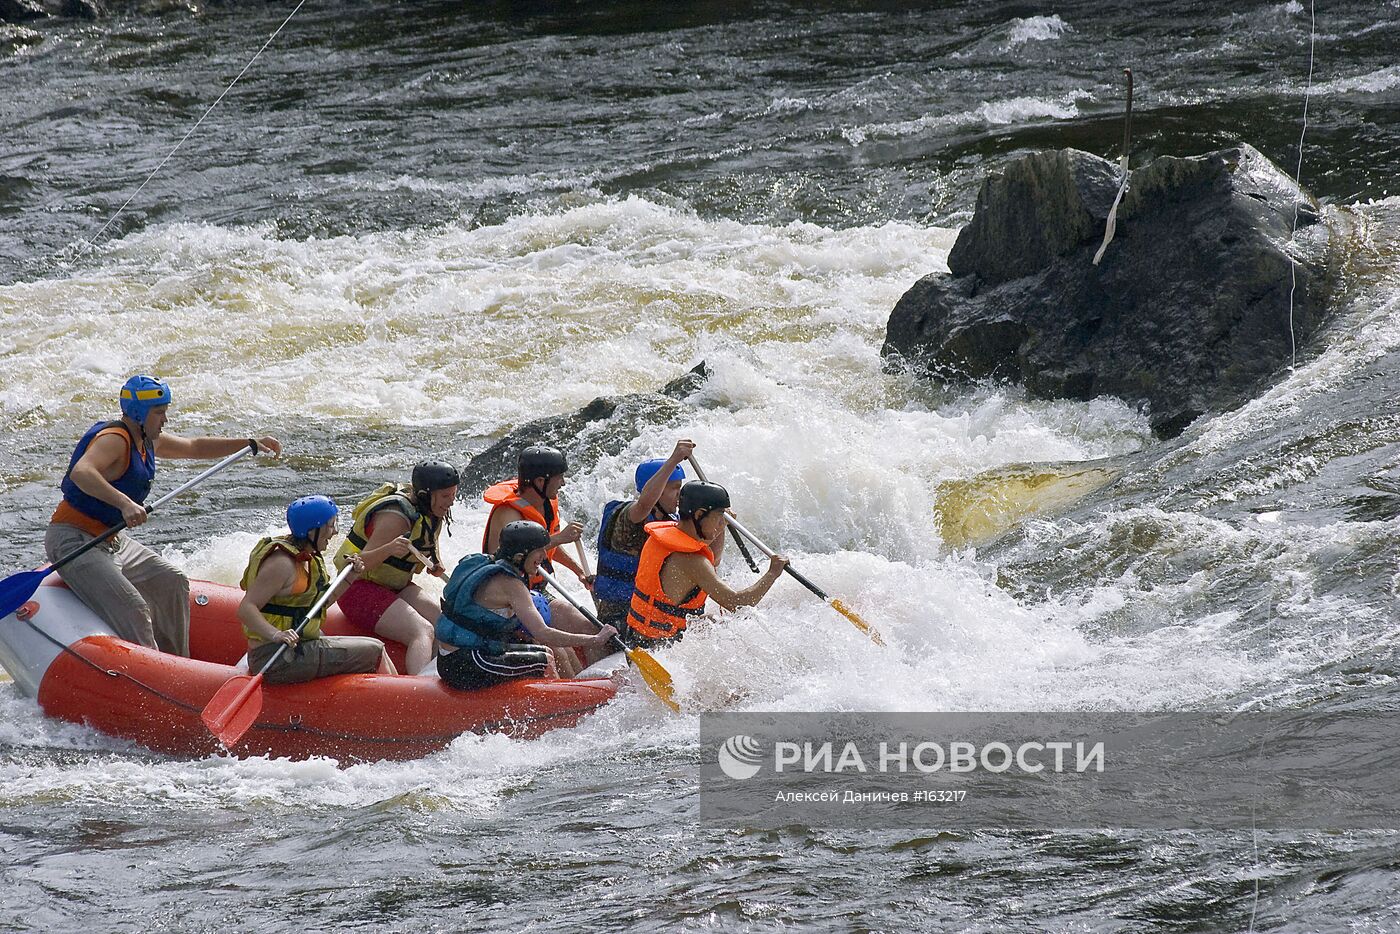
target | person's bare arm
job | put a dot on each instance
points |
(651, 491)
(168, 445)
(561, 557)
(697, 570)
(498, 521)
(275, 575)
(387, 538)
(522, 607)
(357, 567)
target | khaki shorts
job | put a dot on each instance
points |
(317, 658)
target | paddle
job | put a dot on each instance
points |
(583, 558)
(836, 605)
(738, 539)
(17, 588)
(421, 558)
(235, 706)
(652, 672)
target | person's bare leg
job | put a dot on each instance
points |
(565, 618)
(402, 623)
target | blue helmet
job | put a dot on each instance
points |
(648, 469)
(309, 513)
(142, 393)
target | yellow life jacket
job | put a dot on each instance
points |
(395, 573)
(286, 611)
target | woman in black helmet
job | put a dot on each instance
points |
(533, 495)
(391, 529)
(485, 605)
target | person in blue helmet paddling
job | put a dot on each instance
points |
(286, 575)
(622, 532)
(488, 608)
(144, 598)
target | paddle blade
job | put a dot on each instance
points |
(16, 589)
(860, 624)
(656, 677)
(233, 708)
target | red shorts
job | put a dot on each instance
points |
(364, 602)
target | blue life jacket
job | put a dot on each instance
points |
(466, 623)
(135, 483)
(617, 570)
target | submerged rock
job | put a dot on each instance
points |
(13, 38)
(84, 9)
(1188, 312)
(603, 427)
(977, 510)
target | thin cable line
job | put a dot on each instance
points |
(1297, 181)
(207, 112)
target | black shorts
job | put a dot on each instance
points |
(469, 669)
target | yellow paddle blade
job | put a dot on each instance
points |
(861, 624)
(656, 677)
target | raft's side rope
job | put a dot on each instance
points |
(1297, 180)
(111, 672)
(95, 237)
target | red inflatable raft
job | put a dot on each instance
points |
(58, 651)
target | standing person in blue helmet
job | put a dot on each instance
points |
(286, 575)
(622, 533)
(144, 598)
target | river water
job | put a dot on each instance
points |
(411, 228)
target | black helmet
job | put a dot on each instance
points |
(540, 462)
(702, 494)
(520, 538)
(434, 475)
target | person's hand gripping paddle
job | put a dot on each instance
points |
(234, 707)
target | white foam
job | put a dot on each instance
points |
(1036, 29)
(1373, 82)
(990, 113)
(786, 106)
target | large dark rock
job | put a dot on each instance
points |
(603, 427)
(1187, 313)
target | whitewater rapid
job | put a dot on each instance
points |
(828, 457)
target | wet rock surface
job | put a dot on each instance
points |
(1188, 312)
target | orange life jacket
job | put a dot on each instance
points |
(652, 614)
(507, 493)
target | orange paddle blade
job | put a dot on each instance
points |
(656, 677)
(233, 708)
(861, 624)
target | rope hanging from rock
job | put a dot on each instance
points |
(1112, 223)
